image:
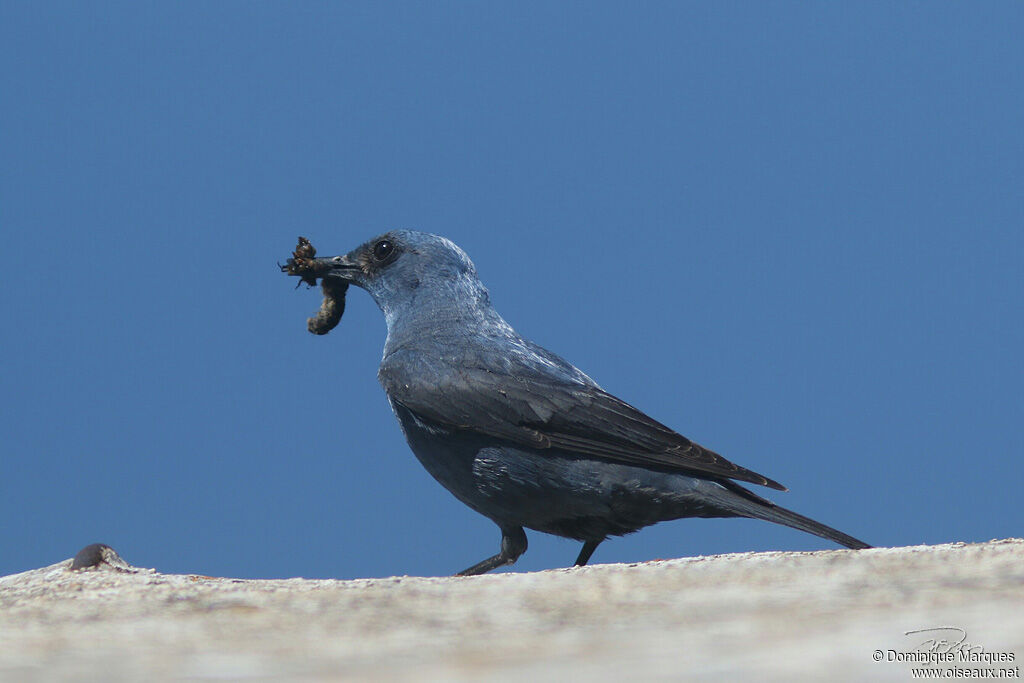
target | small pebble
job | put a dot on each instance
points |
(95, 555)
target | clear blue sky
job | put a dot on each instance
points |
(792, 231)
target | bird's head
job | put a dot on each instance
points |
(409, 274)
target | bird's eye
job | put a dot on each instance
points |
(382, 250)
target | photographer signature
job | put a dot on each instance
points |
(945, 639)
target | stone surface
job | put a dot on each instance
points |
(765, 616)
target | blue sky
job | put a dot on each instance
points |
(792, 231)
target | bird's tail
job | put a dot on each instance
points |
(749, 504)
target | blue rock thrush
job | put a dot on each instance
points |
(516, 432)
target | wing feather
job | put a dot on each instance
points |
(543, 412)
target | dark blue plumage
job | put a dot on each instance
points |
(516, 432)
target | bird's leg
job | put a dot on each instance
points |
(513, 544)
(588, 549)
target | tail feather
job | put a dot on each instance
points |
(749, 504)
(781, 515)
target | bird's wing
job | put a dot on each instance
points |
(542, 412)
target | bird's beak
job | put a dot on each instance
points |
(309, 268)
(338, 267)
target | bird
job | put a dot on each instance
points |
(516, 432)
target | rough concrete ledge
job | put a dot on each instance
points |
(765, 616)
